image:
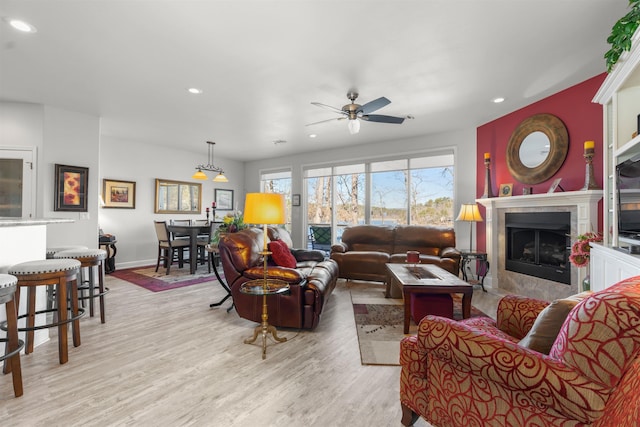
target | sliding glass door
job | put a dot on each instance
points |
(411, 190)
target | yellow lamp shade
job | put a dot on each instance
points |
(264, 208)
(199, 175)
(220, 178)
(469, 212)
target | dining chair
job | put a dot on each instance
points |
(167, 246)
(203, 238)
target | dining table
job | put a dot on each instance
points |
(192, 231)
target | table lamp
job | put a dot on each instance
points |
(470, 213)
(265, 209)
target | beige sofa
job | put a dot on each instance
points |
(365, 249)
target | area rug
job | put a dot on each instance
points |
(380, 325)
(147, 277)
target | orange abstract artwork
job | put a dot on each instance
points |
(72, 188)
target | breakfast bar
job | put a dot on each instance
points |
(25, 239)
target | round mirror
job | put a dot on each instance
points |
(534, 149)
(537, 148)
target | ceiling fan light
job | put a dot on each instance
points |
(354, 126)
(220, 178)
(199, 175)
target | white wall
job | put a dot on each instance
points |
(70, 138)
(126, 160)
(63, 137)
(463, 142)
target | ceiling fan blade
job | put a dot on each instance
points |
(382, 119)
(374, 105)
(328, 107)
(328, 120)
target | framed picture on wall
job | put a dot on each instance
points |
(119, 194)
(71, 189)
(224, 199)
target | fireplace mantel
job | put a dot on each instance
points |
(567, 198)
(583, 203)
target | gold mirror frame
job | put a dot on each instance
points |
(178, 197)
(558, 136)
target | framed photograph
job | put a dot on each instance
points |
(224, 199)
(506, 190)
(556, 184)
(119, 194)
(295, 200)
(71, 190)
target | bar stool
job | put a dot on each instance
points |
(89, 258)
(54, 250)
(11, 356)
(57, 272)
(50, 253)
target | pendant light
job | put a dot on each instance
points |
(210, 167)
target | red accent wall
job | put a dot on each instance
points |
(583, 120)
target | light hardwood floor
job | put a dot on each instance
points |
(167, 359)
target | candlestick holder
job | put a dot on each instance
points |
(207, 216)
(488, 193)
(589, 177)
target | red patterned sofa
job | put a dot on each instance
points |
(474, 372)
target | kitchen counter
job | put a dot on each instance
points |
(25, 239)
(17, 222)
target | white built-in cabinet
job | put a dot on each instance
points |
(609, 266)
(620, 97)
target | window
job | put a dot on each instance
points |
(431, 190)
(389, 182)
(350, 194)
(278, 182)
(318, 184)
(409, 190)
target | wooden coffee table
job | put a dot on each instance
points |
(426, 279)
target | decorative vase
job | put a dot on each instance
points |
(586, 282)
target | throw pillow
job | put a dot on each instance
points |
(281, 254)
(545, 329)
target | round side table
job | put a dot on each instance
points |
(264, 287)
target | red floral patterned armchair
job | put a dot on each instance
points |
(474, 372)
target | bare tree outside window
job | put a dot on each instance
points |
(431, 195)
(319, 200)
(350, 197)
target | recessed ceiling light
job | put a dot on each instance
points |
(195, 90)
(20, 25)
(313, 135)
(498, 100)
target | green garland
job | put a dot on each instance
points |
(621, 34)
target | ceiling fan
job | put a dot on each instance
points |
(356, 112)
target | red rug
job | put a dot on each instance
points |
(147, 278)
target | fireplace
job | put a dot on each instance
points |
(582, 207)
(538, 244)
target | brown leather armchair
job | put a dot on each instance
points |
(312, 281)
